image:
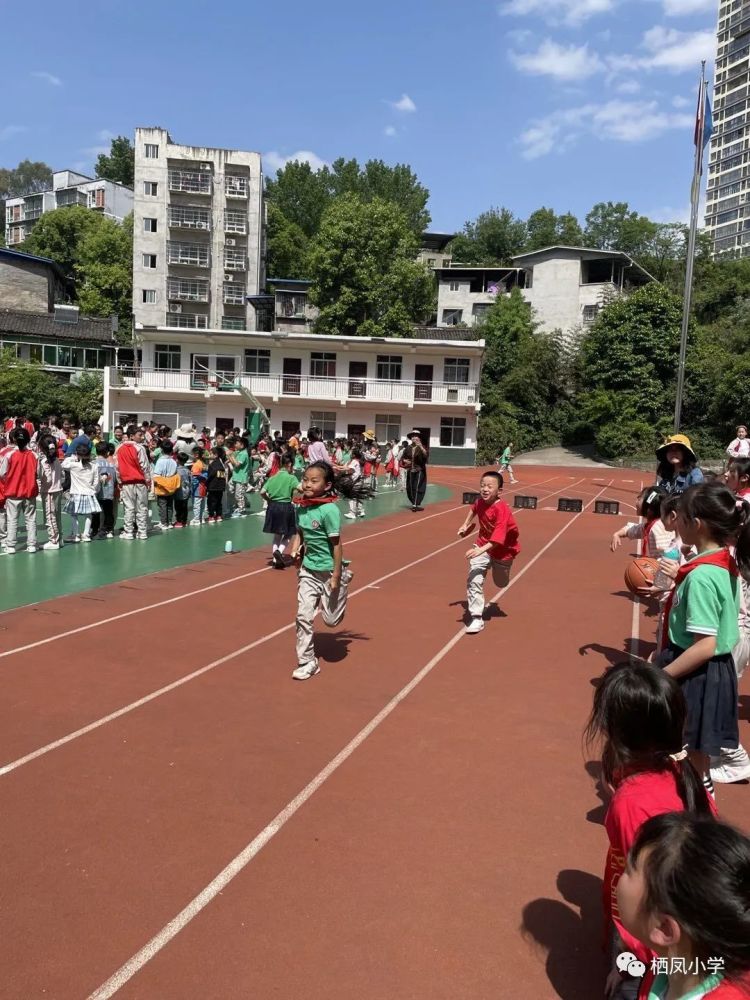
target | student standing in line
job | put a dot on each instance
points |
(216, 484)
(134, 479)
(103, 526)
(50, 482)
(84, 486)
(240, 461)
(18, 468)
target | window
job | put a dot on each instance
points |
(149, 225)
(291, 304)
(257, 362)
(431, 262)
(446, 262)
(452, 317)
(479, 311)
(149, 295)
(92, 357)
(389, 368)
(456, 370)
(322, 365)
(232, 323)
(589, 313)
(454, 286)
(326, 421)
(596, 272)
(151, 151)
(149, 260)
(150, 188)
(167, 357)
(35, 352)
(387, 426)
(187, 289)
(96, 198)
(50, 354)
(64, 357)
(452, 432)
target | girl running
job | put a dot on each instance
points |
(685, 894)
(324, 577)
(639, 713)
(701, 616)
(280, 517)
(655, 538)
(84, 486)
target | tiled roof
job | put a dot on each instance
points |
(46, 326)
(446, 333)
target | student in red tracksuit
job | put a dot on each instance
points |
(18, 478)
(134, 479)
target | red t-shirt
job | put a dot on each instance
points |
(497, 525)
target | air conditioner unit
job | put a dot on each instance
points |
(228, 277)
(231, 243)
(205, 166)
(201, 225)
(175, 309)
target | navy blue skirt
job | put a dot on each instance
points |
(280, 519)
(712, 706)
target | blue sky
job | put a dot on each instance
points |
(520, 103)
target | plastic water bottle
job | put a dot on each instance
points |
(661, 579)
(228, 545)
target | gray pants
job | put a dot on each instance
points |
(314, 590)
(134, 498)
(240, 493)
(52, 503)
(475, 582)
(3, 526)
(13, 509)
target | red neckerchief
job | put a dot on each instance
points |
(314, 501)
(646, 535)
(723, 558)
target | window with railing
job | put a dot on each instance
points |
(96, 198)
(235, 186)
(189, 218)
(15, 235)
(291, 304)
(71, 197)
(187, 289)
(187, 321)
(234, 294)
(235, 260)
(388, 368)
(257, 361)
(456, 370)
(14, 213)
(233, 323)
(192, 181)
(235, 222)
(167, 357)
(196, 254)
(322, 364)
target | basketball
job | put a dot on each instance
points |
(640, 573)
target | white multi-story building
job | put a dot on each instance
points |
(566, 286)
(68, 188)
(345, 385)
(728, 198)
(198, 235)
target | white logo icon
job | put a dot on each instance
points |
(627, 962)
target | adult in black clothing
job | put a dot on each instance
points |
(414, 460)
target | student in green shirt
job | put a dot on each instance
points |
(280, 521)
(324, 577)
(240, 462)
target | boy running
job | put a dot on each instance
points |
(496, 545)
(504, 462)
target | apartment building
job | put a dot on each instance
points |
(297, 379)
(566, 286)
(728, 194)
(68, 188)
(198, 227)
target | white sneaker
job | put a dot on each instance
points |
(85, 538)
(73, 539)
(110, 534)
(141, 537)
(474, 626)
(731, 766)
(352, 516)
(48, 546)
(196, 522)
(7, 552)
(306, 671)
(361, 514)
(126, 536)
(31, 548)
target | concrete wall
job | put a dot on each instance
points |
(462, 298)
(555, 293)
(28, 287)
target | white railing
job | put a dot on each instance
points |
(300, 386)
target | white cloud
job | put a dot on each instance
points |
(573, 62)
(558, 11)
(676, 51)
(50, 78)
(681, 102)
(276, 161)
(8, 131)
(628, 87)
(616, 120)
(389, 130)
(679, 8)
(404, 103)
(519, 36)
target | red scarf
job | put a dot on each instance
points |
(723, 558)
(646, 535)
(314, 501)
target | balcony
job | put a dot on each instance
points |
(189, 254)
(186, 321)
(190, 181)
(274, 387)
(235, 260)
(189, 218)
(235, 222)
(234, 294)
(186, 290)
(235, 187)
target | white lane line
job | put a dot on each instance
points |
(243, 859)
(174, 685)
(635, 631)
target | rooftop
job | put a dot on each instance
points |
(45, 325)
(587, 253)
(435, 241)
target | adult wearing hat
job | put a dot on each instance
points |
(677, 465)
(371, 454)
(414, 460)
(185, 440)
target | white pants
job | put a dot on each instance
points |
(13, 509)
(355, 507)
(134, 498)
(475, 582)
(52, 503)
(3, 526)
(314, 590)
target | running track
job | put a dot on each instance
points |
(182, 820)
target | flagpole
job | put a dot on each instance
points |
(692, 234)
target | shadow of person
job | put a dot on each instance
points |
(333, 647)
(491, 610)
(610, 654)
(594, 771)
(570, 940)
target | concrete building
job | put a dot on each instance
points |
(728, 196)
(38, 323)
(68, 188)
(566, 286)
(433, 250)
(219, 378)
(198, 227)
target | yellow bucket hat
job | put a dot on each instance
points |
(682, 441)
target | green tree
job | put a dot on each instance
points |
(494, 237)
(301, 195)
(569, 232)
(119, 165)
(365, 279)
(25, 388)
(104, 272)
(84, 398)
(613, 226)
(287, 246)
(60, 234)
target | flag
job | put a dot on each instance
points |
(704, 124)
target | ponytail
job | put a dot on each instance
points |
(342, 484)
(691, 789)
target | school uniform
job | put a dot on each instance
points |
(134, 477)
(496, 525)
(50, 482)
(18, 469)
(216, 485)
(280, 515)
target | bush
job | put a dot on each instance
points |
(626, 438)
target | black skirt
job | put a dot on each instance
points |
(280, 519)
(711, 696)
